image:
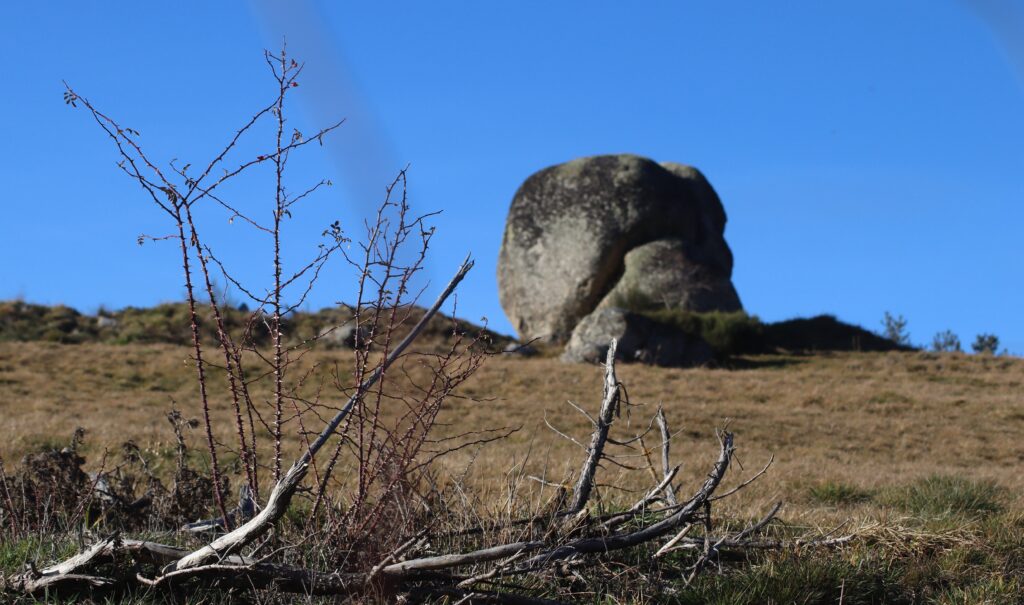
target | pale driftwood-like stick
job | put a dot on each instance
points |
(666, 441)
(71, 574)
(67, 575)
(456, 560)
(221, 564)
(713, 548)
(99, 551)
(563, 435)
(609, 405)
(491, 573)
(582, 411)
(669, 546)
(281, 495)
(411, 543)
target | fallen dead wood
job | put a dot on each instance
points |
(106, 564)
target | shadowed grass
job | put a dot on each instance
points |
(971, 573)
(808, 580)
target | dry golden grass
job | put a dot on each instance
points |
(899, 449)
(863, 420)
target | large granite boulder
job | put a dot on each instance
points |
(576, 230)
(639, 339)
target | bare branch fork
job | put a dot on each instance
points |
(609, 407)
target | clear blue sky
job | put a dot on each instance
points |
(869, 154)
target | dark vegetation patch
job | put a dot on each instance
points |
(50, 493)
(825, 333)
(728, 334)
(737, 333)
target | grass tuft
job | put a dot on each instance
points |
(990, 591)
(837, 493)
(939, 496)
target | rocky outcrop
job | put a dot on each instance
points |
(342, 336)
(596, 231)
(663, 274)
(639, 339)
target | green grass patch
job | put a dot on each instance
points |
(14, 554)
(940, 496)
(837, 493)
(990, 591)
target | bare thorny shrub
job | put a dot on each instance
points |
(374, 516)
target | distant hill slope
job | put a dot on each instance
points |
(736, 333)
(169, 323)
(729, 333)
(825, 333)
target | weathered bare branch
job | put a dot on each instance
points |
(666, 441)
(458, 560)
(609, 406)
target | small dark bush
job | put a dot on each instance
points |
(985, 344)
(49, 491)
(946, 342)
(894, 328)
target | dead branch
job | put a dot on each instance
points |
(666, 441)
(609, 407)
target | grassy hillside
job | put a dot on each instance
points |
(918, 454)
(856, 417)
(729, 334)
(169, 323)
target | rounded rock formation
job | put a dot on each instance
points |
(594, 231)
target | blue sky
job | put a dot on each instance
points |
(869, 155)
